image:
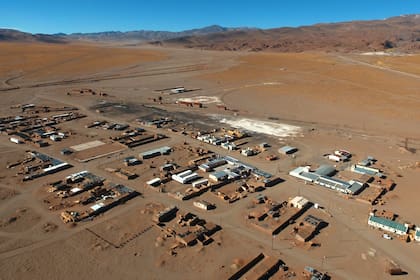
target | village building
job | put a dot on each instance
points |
(219, 176)
(166, 215)
(130, 161)
(362, 169)
(417, 234)
(299, 202)
(387, 225)
(156, 152)
(229, 146)
(321, 177)
(287, 150)
(210, 165)
(308, 228)
(247, 152)
(199, 183)
(202, 204)
(154, 182)
(185, 177)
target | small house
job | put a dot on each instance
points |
(202, 204)
(298, 202)
(218, 176)
(287, 150)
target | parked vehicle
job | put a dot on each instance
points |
(387, 236)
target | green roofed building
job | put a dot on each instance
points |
(387, 225)
(417, 235)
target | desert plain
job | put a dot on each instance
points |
(366, 104)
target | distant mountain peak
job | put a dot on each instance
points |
(400, 33)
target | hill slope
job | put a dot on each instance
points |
(11, 35)
(147, 35)
(402, 33)
(398, 33)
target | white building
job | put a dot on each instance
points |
(218, 176)
(199, 183)
(247, 152)
(202, 204)
(228, 146)
(185, 177)
(298, 202)
(387, 225)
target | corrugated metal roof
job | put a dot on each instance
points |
(219, 174)
(355, 187)
(162, 150)
(287, 150)
(364, 171)
(337, 183)
(325, 170)
(309, 175)
(388, 223)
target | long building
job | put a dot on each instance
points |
(361, 169)
(156, 152)
(387, 225)
(322, 177)
(185, 177)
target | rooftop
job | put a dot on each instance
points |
(288, 150)
(162, 150)
(388, 223)
(325, 170)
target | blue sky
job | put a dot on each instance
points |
(42, 16)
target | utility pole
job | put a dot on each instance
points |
(322, 262)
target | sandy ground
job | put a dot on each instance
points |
(336, 101)
(26, 63)
(328, 89)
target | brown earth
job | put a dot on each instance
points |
(330, 89)
(396, 33)
(340, 101)
(46, 62)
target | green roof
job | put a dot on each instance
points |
(389, 223)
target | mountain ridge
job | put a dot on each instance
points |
(400, 33)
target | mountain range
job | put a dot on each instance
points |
(112, 36)
(400, 33)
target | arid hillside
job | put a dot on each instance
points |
(401, 33)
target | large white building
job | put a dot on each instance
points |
(185, 177)
(321, 177)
